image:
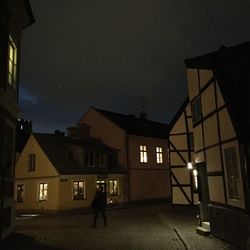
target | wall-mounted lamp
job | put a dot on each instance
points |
(189, 165)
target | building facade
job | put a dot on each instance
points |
(184, 181)
(218, 89)
(14, 17)
(143, 151)
(56, 172)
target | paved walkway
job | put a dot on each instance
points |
(147, 227)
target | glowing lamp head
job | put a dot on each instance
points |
(190, 165)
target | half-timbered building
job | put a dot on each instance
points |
(181, 152)
(218, 90)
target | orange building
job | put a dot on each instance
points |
(15, 16)
(143, 151)
(216, 118)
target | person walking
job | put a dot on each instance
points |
(99, 204)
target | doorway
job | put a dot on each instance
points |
(203, 191)
(102, 184)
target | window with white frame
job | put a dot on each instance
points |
(78, 190)
(12, 67)
(43, 192)
(113, 187)
(233, 175)
(143, 154)
(20, 193)
(159, 155)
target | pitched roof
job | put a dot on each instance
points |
(136, 126)
(56, 147)
(232, 71)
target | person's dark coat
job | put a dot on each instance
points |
(100, 201)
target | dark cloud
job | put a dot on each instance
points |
(110, 53)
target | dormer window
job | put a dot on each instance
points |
(12, 66)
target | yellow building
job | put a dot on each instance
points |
(57, 172)
(143, 151)
(218, 90)
(15, 16)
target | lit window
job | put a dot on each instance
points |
(43, 192)
(78, 190)
(12, 68)
(31, 162)
(113, 187)
(102, 184)
(196, 109)
(232, 170)
(143, 153)
(159, 156)
(20, 193)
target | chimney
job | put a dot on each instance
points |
(81, 131)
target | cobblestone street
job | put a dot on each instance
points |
(135, 227)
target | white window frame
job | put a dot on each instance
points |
(143, 154)
(84, 190)
(38, 193)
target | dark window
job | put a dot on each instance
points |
(86, 159)
(31, 162)
(78, 190)
(196, 109)
(103, 160)
(233, 180)
(20, 193)
(91, 159)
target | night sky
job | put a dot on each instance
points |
(110, 53)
